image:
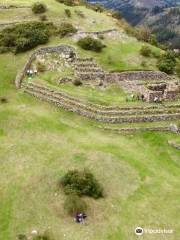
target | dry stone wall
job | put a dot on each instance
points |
(137, 75)
(60, 100)
(67, 50)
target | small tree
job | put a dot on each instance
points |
(145, 51)
(74, 204)
(81, 183)
(167, 62)
(92, 44)
(38, 8)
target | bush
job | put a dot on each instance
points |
(116, 14)
(143, 64)
(25, 36)
(66, 29)
(92, 44)
(178, 69)
(145, 51)
(67, 2)
(22, 237)
(43, 18)
(67, 12)
(77, 82)
(74, 204)
(38, 8)
(3, 100)
(167, 62)
(81, 183)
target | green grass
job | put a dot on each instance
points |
(39, 143)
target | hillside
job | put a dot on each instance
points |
(163, 17)
(64, 107)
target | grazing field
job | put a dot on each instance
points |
(39, 143)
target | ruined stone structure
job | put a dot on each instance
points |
(66, 51)
(87, 69)
(152, 85)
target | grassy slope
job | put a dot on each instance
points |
(38, 143)
(119, 54)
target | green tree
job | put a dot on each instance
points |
(38, 8)
(145, 51)
(92, 44)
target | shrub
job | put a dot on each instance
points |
(4, 50)
(116, 14)
(77, 82)
(81, 183)
(145, 51)
(22, 237)
(3, 100)
(67, 2)
(38, 8)
(25, 36)
(167, 62)
(67, 12)
(143, 64)
(92, 44)
(95, 7)
(178, 69)
(66, 28)
(74, 204)
(43, 18)
(101, 36)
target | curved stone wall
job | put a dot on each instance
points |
(59, 49)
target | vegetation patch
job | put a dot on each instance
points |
(82, 183)
(66, 29)
(67, 2)
(25, 36)
(145, 51)
(167, 62)
(92, 44)
(38, 8)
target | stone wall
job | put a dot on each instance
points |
(59, 49)
(59, 99)
(135, 129)
(137, 75)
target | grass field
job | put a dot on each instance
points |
(39, 143)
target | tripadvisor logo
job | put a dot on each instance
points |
(139, 231)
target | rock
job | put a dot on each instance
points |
(34, 232)
(174, 128)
